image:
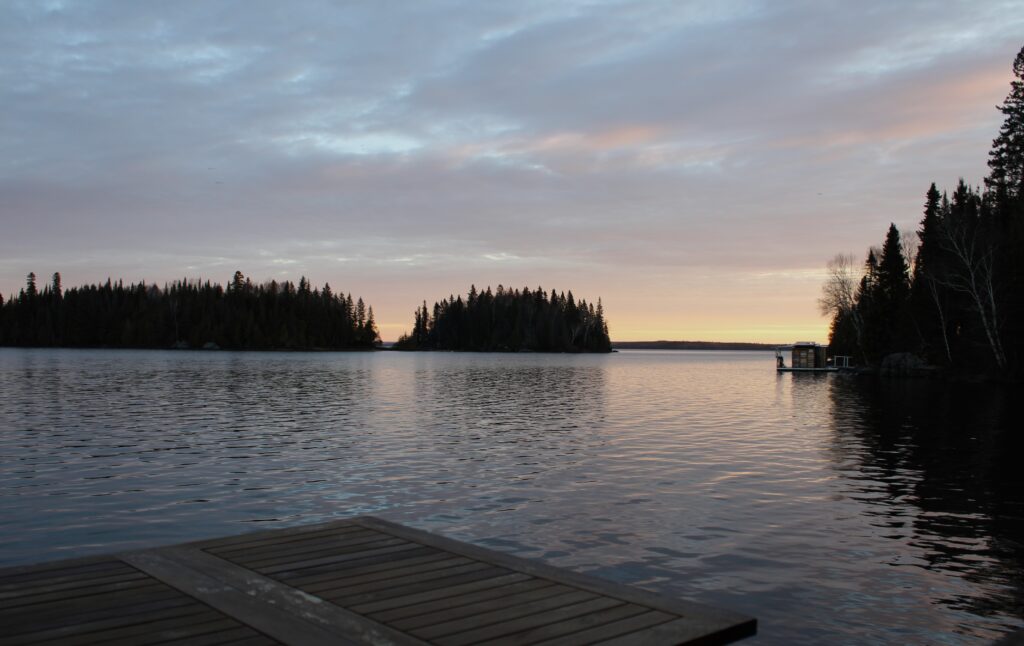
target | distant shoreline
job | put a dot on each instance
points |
(387, 346)
(691, 345)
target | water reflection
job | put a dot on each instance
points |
(937, 467)
(832, 509)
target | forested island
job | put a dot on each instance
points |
(509, 320)
(284, 316)
(187, 314)
(951, 296)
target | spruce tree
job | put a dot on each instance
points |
(930, 300)
(893, 271)
(1005, 185)
(1006, 159)
(893, 292)
(927, 253)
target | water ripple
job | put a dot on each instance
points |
(830, 508)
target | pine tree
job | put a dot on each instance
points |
(893, 293)
(868, 309)
(1006, 159)
(370, 335)
(930, 299)
(509, 320)
(928, 234)
(893, 271)
(1005, 200)
(194, 312)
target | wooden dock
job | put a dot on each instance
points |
(356, 581)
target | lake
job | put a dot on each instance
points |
(830, 507)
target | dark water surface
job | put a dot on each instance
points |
(832, 508)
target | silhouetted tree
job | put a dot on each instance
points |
(930, 301)
(509, 320)
(965, 299)
(1006, 159)
(185, 312)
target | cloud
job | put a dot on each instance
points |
(444, 143)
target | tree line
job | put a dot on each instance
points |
(509, 320)
(953, 294)
(187, 313)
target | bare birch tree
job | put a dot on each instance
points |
(839, 293)
(933, 282)
(972, 272)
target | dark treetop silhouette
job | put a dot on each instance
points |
(509, 320)
(187, 313)
(958, 302)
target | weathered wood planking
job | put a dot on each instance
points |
(105, 600)
(362, 580)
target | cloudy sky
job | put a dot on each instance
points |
(694, 164)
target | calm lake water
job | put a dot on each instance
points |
(829, 507)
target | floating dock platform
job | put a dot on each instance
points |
(808, 356)
(357, 581)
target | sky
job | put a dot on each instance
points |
(693, 164)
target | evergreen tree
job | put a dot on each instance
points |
(509, 320)
(1005, 200)
(1006, 159)
(930, 301)
(928, 234)
(893, 293)
(186, 311)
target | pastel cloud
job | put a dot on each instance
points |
(404, 151)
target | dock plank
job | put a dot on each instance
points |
(409, 582)
(395, 576)
(273, 539)
(66, 583)
(394, 616)
(165, 629)
(505, 628)
(298, 532)
(337, 559)
(379, 572)
(577, 624)
(354, 581)
(508, 600)
(319, 554)
(437, 587)
(277, 610)
(112, 603)
(24, 602)
(331, 570)
(610, 630)
(64, 633)
(313, 544)
(510, 612)
(443, 593)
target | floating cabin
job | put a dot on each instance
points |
(808, 356)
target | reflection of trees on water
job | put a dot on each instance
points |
(937, 465)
